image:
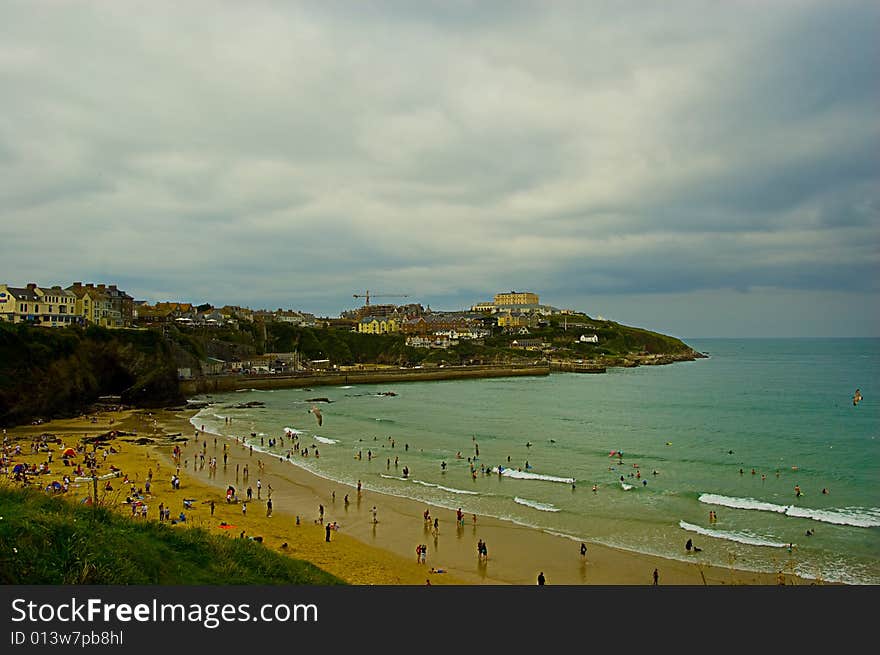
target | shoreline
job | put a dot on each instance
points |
(517, 552)
(381, 553)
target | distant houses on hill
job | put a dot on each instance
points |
(515, 312)
(78, 304)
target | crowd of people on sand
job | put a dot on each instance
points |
(88, 459)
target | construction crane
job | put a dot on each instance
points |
(367, 296)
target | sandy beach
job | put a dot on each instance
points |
(360, 551)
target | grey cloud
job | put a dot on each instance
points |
(288, 154)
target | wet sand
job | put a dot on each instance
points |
(362, 552)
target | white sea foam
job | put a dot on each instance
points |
(346, 387)
(741, 503)
(392, 477)
(625, 486)
(739, 537)
(524, 475)
(325, 439)
(544, 507)
(449, 489)
(861, 517)
(292, 431)
(564, 535)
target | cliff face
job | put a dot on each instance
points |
(51, 373)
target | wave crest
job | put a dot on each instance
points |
(860, 517)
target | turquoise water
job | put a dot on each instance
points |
(783, 407)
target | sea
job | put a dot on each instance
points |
(635, 458)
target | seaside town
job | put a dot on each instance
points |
(513, 313)
(573, 296)
(96, 413)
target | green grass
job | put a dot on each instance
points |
(46, 540)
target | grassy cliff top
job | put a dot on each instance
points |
(47, 540)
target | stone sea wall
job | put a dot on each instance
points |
(222, 383)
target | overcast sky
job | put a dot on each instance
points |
(697, 168)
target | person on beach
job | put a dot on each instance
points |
(212, 508)
(656, 577)
(359, 483)
(375, 520)
(259, 487)
(321, 513)
(583, 550)
(541, 579)
(345, 500)
(269, 508)
(327, 533)
(436, 526)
